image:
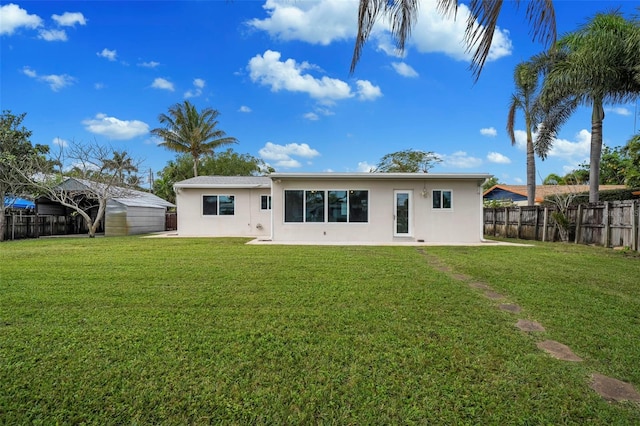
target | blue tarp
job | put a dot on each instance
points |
(18, 203)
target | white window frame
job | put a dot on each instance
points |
(442, 191)
(217, 214)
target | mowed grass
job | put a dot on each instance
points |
(195, 331)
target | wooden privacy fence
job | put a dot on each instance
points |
(608, 224)
(19, 226)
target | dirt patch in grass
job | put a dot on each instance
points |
(510, 307)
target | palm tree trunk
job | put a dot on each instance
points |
(597, 116)
(531, 169)
(195, 167)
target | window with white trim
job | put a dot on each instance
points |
(442, 199)
(320, 206)
(218, 205)
(265, 202)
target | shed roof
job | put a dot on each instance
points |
(225, 182)
(125, 196)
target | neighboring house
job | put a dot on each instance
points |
(518, 193)
(335, 207)
(224, 206)
(128, 211)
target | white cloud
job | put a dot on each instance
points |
(69, 19)
(161, 83)
(367, 91)
(282, 154)
(244, 108)
(518, 180)
(489, 131)
(323, 22)
(312, 116)
(619, 110)
(267, 69)
(55, 82)
(496, 157)
(114, 128)
(150, 64)
(108, 54)
(576, 150)
(404, 70)
(53, 35)
(434, 33)
(99, 86)
(199, 85)
(60, 142)
(363, 166)
(460, 160)
(315, 22)
(13, 17)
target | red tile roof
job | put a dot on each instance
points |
(543, 191)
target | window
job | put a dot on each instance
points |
(265, 202)
(318, 206)
(442, 199)
(218, 205)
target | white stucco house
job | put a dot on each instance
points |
(335, 207)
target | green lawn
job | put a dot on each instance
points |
(175, 331)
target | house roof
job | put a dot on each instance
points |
(367, 175)
(543, 191)
(225, 182)
(124, 196)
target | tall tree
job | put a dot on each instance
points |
(226, 163)
(481, 23)
(122, 164)
(189, 131)
(17, 155)
(407, 161)
(593, 66)
(524, 99)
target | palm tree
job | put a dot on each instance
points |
(525, 99)
(120, 163)
(592, 66)
(187, 131)
(481, 24)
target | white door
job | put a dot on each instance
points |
(402, 213)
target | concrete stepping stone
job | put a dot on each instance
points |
(613, 389)
(480, 286)
(509, 307)
(558, 351)
(493, 295)
(526, 325)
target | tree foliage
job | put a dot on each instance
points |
(407, 161)
(189, 131)
(227, 163)
(481, 24)
(17, 156)
(592, 66)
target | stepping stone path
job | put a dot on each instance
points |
(608, 388)
(526, 325)
(614, 390)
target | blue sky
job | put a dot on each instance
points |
(278, 72)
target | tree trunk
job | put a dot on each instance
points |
(2, 217)
(531, 169)
(195, 167)
(597, 116)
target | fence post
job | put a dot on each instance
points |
(578, 224)
(607, 225)
(545, 220)
(519, 222)
(635, 244)
(493, 212)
